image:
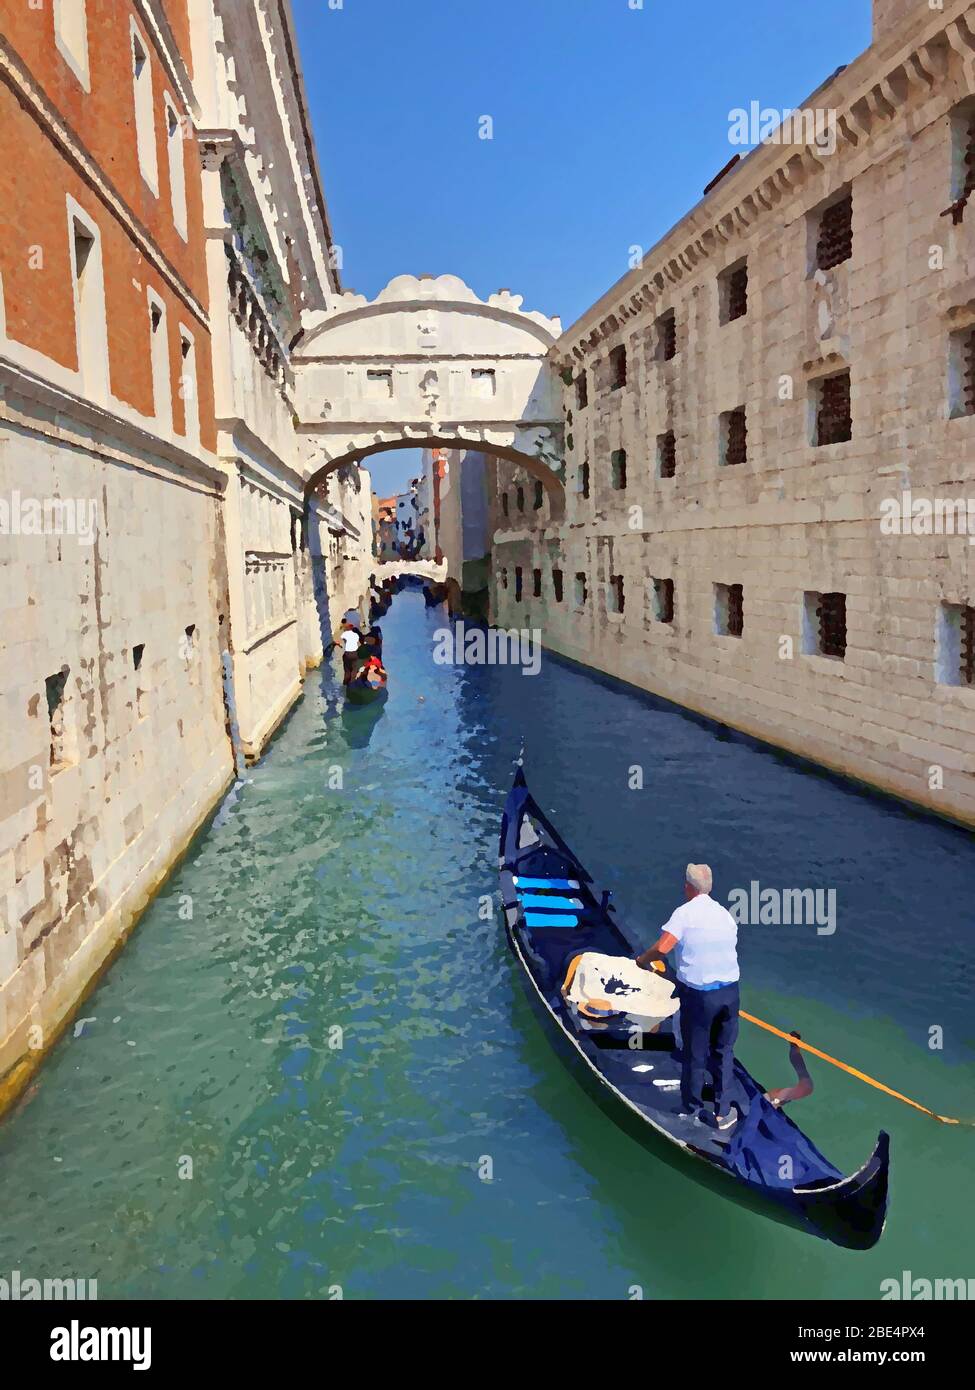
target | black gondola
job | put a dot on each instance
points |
(552, 914)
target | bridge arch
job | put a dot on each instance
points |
(427, 364)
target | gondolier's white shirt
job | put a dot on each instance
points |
(350, 641)
(707, 942)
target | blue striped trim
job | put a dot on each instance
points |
(546, 882)
(548, 903)
(548, 919)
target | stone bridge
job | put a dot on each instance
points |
(423, 569)
(427, 364)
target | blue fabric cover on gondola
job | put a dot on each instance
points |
(766, 1136)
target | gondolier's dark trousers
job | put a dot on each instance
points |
(350, 661)
(708, 1029)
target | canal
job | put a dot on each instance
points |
(313, 1067)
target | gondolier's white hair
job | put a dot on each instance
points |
(699, 876)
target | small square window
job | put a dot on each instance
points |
(729, 610)
(956, 645)
(666, 327)
(379, 383)
(834, 414)
(834, 240)
(663, 600)
(483, 381)
(734, 438)
(667, 455)
(733, 292)
(824, 625)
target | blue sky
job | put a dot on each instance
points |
(607, 123)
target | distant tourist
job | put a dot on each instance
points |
(706, 961)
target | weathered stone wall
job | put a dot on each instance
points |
(131, 616)
(795, 517)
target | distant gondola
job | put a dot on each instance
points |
(552, 914)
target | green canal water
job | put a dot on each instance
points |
(442, 1151)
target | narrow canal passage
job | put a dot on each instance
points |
(339, 888)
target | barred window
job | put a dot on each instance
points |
(663, 600)
(617, 598)
(617, 368)
(729, 610)
(733, 293)
(834, 415)
(667, 336)
(956, 644)
(619, 469)
(834, 244)
(734, 437)
(667, 455)
(826, 624)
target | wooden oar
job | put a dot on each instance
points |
(862, 1076)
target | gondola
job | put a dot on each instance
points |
(552, 914)
(360, 691)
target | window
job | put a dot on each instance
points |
(187, 387)
(504, 503)
(537, 583)
(619, 469)
(666, 327)
(483, 381)
(961, 373)
(557, 584)
(504, 578)
(582, 391)
(581, 589)
(582, 480)
(89, 297)
(663, 600)
(834, 418)
(617, 368)
(734, 438)
(162, 401)
(141, 680)
(617, 598)
(733, 292)
(71, 37)
(55, 689)
(379, 383)
(824, 625)
(539, 496)
(834, 242)
(520, 498)
(145, 122)
(956, 644)
(729, 612)
(518, 583)
(667, 455)
(963, 151)
(177, 174)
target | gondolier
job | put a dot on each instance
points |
(705, 936)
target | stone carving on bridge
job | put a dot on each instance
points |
(427, 363)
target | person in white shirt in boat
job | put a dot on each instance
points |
(351, 638)
(704, 938)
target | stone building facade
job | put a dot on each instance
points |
(164, 582)
(749, 411)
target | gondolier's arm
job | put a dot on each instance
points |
(658, 951)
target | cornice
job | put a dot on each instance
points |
(866, 96)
